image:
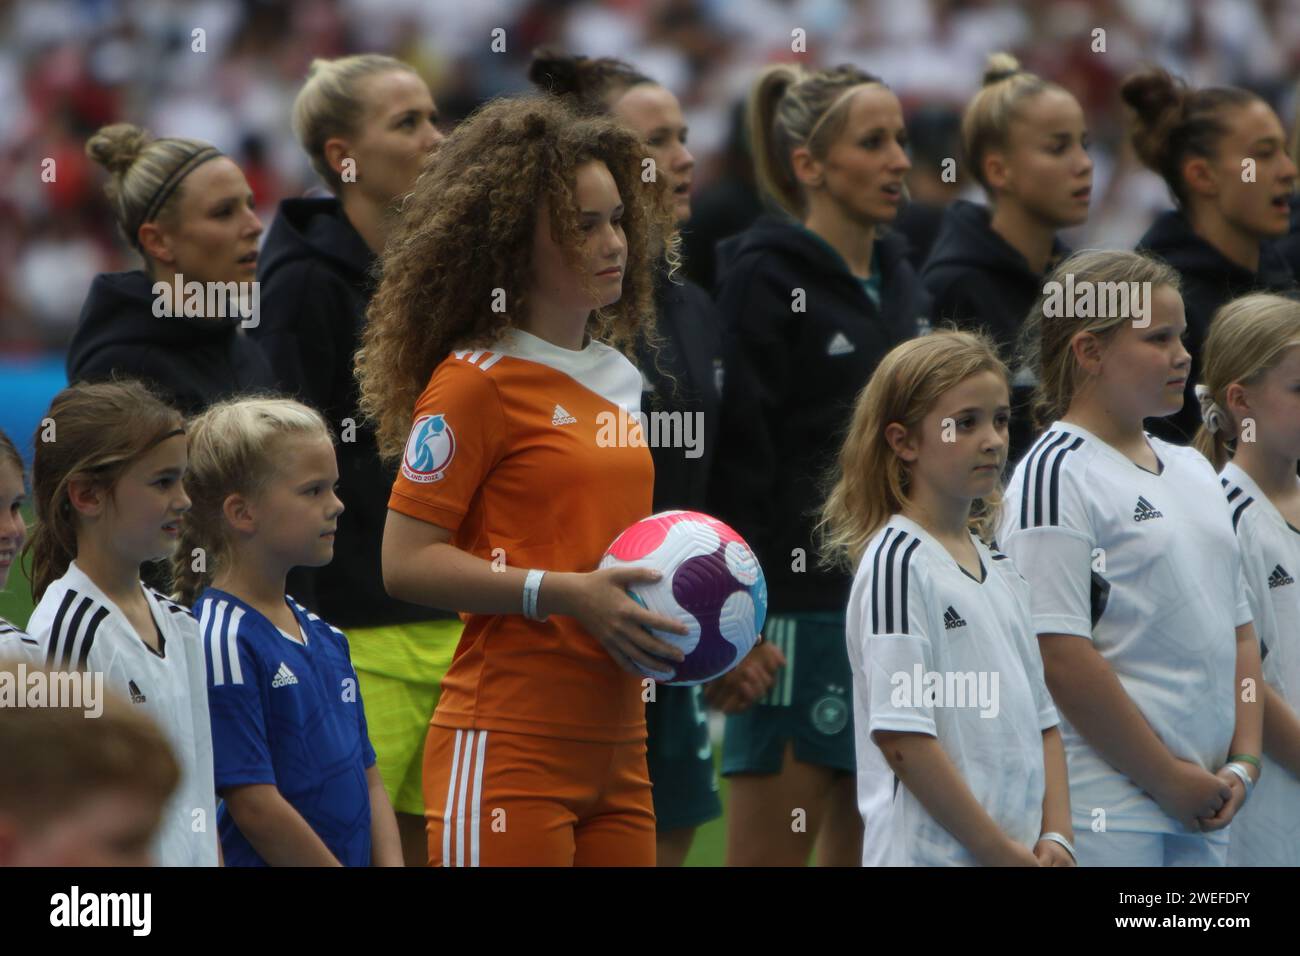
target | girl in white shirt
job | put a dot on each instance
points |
(959, 758)
(106, 481)
(1137, 590)
(1250, 404)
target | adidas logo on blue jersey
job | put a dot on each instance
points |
(952, 619)
(283, 677)
(1279, 577)
(137, 695)
(1145, 511)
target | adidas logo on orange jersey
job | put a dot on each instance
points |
(561, 417)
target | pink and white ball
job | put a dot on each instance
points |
(711, 582)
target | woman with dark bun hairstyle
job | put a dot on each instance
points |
(187, 209)
(367, 123)
(1222, 152)
(1025, 141)
(679, 378)
(811, 301)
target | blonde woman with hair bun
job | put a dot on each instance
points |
(186, 208)
(811, 299)
(1025, 141)
(1250, 406)
(367, 123)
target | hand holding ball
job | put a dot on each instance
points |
(711, 582)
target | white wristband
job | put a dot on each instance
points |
(1055, 837)
(1243, 773)
(532, 585)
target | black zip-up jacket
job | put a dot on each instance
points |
(1209, 279)
(194, 362)
(316, 273)
(979, 280)
(790, 384)
(1289, 245)
(683, 376)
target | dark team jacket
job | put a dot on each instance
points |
(1289, 245)
(979, 280)
(316, 273)
(1209, 279)
(684, 376)
(194, 362)
(789, 388)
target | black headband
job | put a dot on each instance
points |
(163, 193)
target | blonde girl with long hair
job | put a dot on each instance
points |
(944, 778)
(1138, 599)
(1250, 404)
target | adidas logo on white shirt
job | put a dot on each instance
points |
(1145, 511)
(283, 677)
(840, 345)
(952, 619)
(1279, 578)
(137, 695)
(561, 417)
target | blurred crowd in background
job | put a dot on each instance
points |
(68, 67)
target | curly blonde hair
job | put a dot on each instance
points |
(465, 236)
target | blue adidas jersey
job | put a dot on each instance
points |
(289, 715)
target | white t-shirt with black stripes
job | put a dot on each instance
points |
(79, 627)
(17, 645)
(1266, 831)
(1146, 566)
(935, 651)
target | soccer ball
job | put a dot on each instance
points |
(711, 582)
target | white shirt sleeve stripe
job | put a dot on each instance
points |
(232, 645)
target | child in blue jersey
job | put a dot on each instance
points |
(959, 757)
(293, 761)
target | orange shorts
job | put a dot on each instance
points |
(499, 799)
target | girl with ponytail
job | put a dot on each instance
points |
(811, 299)
(106, 483)
(1250, 405)
(1222, 152)
(293, 763)
(1026, 143)
(367, 123)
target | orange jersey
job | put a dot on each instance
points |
(534, 450)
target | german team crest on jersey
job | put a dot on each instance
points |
(429, 450)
